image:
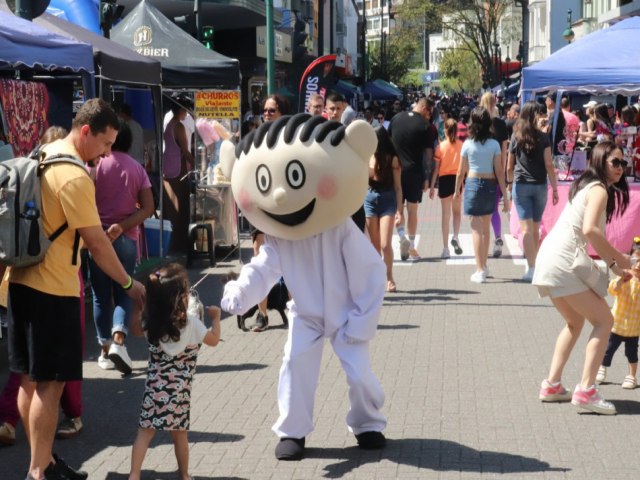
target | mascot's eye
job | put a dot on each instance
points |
(263, 178)
(295, 174)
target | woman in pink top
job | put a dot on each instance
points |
(124, 200)
(447, 157)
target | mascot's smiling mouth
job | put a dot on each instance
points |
(295, 218)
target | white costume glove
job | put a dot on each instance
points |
(232, 299)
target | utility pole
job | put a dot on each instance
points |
(270, 41)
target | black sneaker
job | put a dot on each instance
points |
(61, 470)
(262, 323)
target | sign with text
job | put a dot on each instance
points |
(282, 47)
(218, 104)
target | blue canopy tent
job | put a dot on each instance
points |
(346, 89)
(603, 62)
(29, 47)
(381, 91)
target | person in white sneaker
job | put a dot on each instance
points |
(480, 162)
(528, 167)
(626, 320)
(121, 185)
(447, 158)
(594, 198)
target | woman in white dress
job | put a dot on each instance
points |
(599, 193)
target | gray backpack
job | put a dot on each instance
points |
(22, 238)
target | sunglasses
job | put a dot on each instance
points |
(617, 163)
(270, 111)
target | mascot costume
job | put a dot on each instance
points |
(299, 179)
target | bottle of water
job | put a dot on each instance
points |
(30, 212)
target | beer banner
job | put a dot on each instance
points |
(319, 77)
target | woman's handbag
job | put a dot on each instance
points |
(592, 274)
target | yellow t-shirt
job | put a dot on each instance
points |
(68, 195)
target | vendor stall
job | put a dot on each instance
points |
(191, 69)
(29, 52)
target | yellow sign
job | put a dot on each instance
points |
(218, 104)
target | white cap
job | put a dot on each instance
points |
(590, 104)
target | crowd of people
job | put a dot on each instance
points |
(478, 158)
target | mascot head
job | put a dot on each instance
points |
(300, 175)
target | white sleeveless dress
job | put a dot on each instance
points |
(553, 274)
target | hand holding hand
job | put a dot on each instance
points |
(138, 294)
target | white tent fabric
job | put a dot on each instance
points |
(603, 62)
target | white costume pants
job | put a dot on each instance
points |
(299, 378)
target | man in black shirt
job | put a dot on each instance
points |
(414, 141)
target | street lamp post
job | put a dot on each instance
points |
(496, 60)
(568, 34)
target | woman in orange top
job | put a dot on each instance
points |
(447, 158)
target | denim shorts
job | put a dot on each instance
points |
(479, 196)
(530, 200)
(380, 203)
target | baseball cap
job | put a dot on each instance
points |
(590, 104)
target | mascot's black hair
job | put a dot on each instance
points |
(291, 125)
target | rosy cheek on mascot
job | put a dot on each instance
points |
(299, 179)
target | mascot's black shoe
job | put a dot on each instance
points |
(371, 440)
(290, 449)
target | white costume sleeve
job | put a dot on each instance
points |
(254, 283)
(366, 276)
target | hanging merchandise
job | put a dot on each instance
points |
(25, 106)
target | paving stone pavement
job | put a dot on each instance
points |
(460, 363)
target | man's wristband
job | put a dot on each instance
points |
(129, 284)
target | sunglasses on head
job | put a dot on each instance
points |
(269, 110)
(617, 163)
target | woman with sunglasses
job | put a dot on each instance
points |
(274, 107)
(594, 198)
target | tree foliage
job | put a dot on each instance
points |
(459, 71)
(397, 58)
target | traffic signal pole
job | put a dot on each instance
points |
(270, 41)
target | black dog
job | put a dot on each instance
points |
(276, 300)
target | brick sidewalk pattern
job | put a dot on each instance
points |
(460, 363)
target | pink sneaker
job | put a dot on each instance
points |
(553, 393)
(592, 400)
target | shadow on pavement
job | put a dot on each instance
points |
(166, 476)
(627, 407)
(229, 368)
(396, 327)
(430, 454)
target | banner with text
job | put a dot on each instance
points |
(317, 78)
(218, 104)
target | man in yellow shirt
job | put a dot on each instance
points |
(45, 341)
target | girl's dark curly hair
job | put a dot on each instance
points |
(166, 304)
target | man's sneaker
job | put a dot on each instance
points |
(414, 256)
(104, 362)
(456, 246)
(553, 393)
(404, 248)
(120, 358)
(479, 277)
(262, 323)
(592, 400)
(602, 374)
(61, 470)
(445, 254)
(630, 382)
(7, 434)
(69, 427)
(497, 247)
